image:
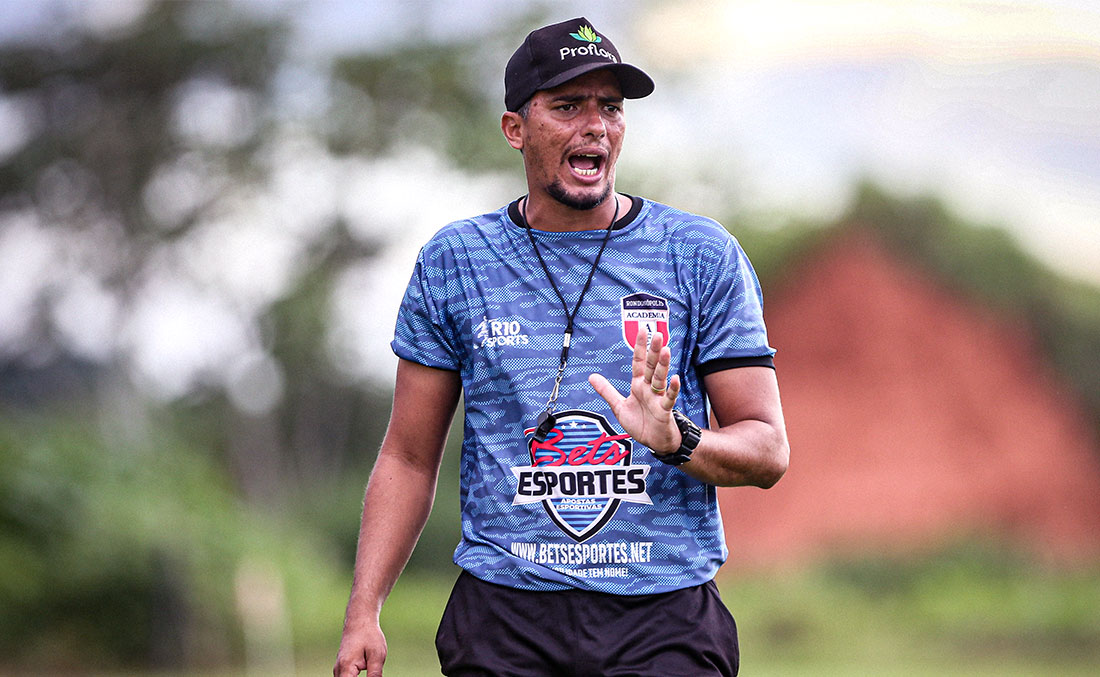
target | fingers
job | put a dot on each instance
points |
(360, 651)
(354, 668)
(647, 354)
(651, 363)
(658, 374)
(653, 359)
(637, 365)
(668, 402)
(351, 667)
(347, 669)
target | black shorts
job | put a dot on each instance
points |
(498, 631)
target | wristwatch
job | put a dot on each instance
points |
(689, 439)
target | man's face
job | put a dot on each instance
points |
(572, 137)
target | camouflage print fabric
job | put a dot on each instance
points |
(588, 508)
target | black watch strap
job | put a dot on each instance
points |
(690, 434)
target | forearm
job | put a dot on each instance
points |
(747, 453)
(398, 500)
(749, 447)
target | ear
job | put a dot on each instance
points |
(512, 126)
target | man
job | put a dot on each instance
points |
(590, 525)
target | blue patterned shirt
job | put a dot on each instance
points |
(588, 508)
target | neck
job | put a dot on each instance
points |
(545, 213)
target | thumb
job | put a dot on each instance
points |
(605, 390)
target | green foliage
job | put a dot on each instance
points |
(424, 93)
(331, 509)
(983, 261)
(773, 251)
(329, 425)
(982, 608)
(128, 553)
(105, 105)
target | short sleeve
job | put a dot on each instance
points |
(422, 334)
(731, 318)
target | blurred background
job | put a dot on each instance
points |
(209, 212)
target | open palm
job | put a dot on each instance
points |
(646, 413)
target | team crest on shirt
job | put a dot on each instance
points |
(644, 311)
(581, 473)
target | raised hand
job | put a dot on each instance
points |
(646, 413)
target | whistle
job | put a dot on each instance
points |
(546, 423)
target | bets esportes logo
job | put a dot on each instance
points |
(581, 473)
(586, 34)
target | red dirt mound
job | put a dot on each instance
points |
(916, 417)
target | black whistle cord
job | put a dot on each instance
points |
(591, 273)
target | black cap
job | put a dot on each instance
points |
(555, 54)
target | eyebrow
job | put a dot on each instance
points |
(576, 98)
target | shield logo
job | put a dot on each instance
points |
(581, 473)
(646, 311)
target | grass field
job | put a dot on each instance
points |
(966, 611)
(959, 613)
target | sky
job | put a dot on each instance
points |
(778, 107)
(990, 104)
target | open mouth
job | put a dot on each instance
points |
(586, 164)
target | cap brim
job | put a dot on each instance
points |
(633, 82)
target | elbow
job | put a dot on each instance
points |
(773, 470)
(771, 476)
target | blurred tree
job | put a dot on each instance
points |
(140, 165)
(151, 185)
(141, 146)
(157, 181)
(425, 94)
(125, 138)
(106, 113)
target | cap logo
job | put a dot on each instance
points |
(586, 34)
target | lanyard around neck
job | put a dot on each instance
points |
(569, 315)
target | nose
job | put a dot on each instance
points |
(594, 124)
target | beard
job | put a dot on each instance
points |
(580, 202)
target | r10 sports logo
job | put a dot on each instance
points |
(491, 333)
(580, 474)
